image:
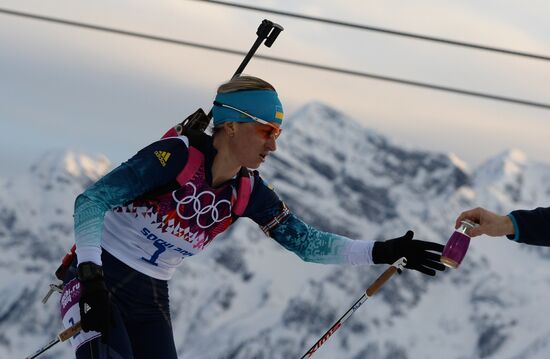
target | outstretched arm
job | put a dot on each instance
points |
(317, 246)
(523, 226)
(313, 245)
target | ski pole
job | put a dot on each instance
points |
(61, 337)
(267, 31)
(60, 273)
(379, 282)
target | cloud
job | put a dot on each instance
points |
(85, 82)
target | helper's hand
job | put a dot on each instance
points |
(421, 255)
(95, 304)
(490, 223)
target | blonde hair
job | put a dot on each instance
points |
(245, 82)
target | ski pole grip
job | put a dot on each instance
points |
(70, 332)
(388, 273)
(65, 262)
(69, 256)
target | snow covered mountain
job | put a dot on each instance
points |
(247, 297)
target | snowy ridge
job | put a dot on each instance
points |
(247, 297)
(509, 179)
(60, 166)
(35, 232)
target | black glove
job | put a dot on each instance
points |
(421, 255)
(95, 304)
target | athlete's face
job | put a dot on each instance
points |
(254, 142)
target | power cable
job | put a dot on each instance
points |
(381, 30)
(408, 82)
(120, 32)
(280, 60)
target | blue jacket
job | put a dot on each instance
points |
(531, 227)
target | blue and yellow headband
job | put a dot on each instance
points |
(263, 104)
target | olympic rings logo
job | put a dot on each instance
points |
(207, 215)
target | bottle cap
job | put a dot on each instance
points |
(466, 225)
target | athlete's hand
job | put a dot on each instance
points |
(95, 305)
(421, 255)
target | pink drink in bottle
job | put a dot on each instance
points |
(456, 247)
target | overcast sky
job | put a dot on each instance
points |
(65, 87)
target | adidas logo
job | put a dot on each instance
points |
(163, 157)
(87, 308)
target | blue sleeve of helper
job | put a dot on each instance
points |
(152, 167)
(531, 226)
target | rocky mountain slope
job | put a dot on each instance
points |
(247, 297)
